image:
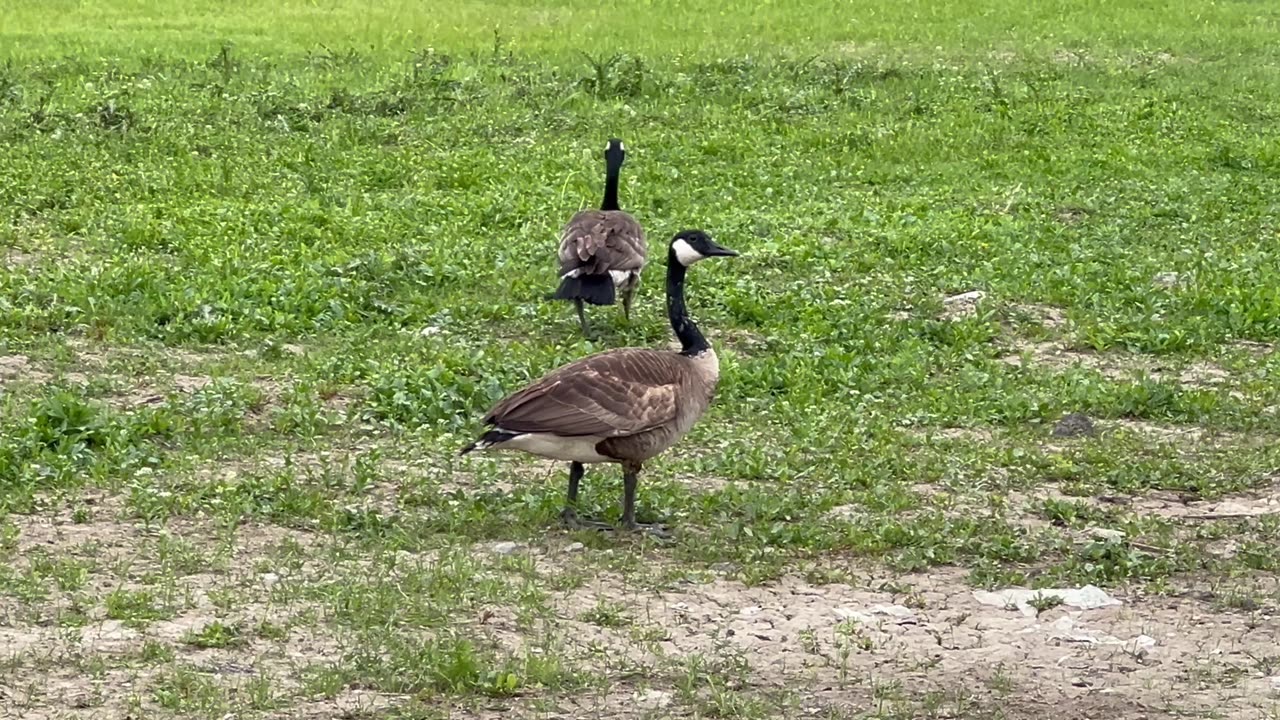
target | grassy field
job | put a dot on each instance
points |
(266, 264)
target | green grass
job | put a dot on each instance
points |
(158, 27)
(267, 264)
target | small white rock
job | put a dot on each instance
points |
(844, 512)
(504, 548)
(1088, 597)
(972, 296)
(845, 613)
(1079, 638)
(897, 611)
(1064, 623)
(1106, 534)
(961, 306)
(269, 578)
(574, 547)
(429, 330)
(1140, 645)
(1166, 279)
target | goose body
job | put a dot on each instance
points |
(602, 252)
(622, 406)
(630, 403)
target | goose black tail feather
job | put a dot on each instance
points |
(595, 289)
(488, 440)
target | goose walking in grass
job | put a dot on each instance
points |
(621, 406)
(602, 252)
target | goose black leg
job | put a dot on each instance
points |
(569, 516)
(576, 470)
(630, 478)
(626, 302)
(582, 316)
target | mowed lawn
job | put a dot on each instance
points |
(267, 264)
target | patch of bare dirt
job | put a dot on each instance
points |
(702, 482)
(743, 342)
(60, 531)
(1069, 215)
(1116, 366)
(530, 470)
(101, 355)
(20, 367)
(185, 375)
(1253, 347)
(980, 435)
(1047, 315)
(350, 703)
(1064, 56)
(1140, 653)
(963, 305)
(1158, 432)
(20, 258)
(48, 663)
(1166, 504)
(1256, 503)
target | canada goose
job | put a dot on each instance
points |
(602, 251)
(618, 406)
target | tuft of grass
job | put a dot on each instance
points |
(136, 608)
(215, 635)
(1042, 602)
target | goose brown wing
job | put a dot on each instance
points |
(611, 394)
(602, 240)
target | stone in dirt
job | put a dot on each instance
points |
(1106, 534)
(1088, 597)
(963, 305)
(1074, 425)
(901, 614)
(504, 548)
(972, 296)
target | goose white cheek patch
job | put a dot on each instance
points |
(686, 254)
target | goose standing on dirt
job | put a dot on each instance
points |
(620, 406)
(602, 252)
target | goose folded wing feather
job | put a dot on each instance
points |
(613, 394)
(599, 241)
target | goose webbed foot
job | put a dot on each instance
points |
(570, 520)
(655, 530)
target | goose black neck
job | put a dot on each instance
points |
(613, 168)
(691, 340)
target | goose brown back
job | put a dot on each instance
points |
(638, 402)
(597, 242)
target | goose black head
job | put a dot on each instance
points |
(614, 153)
(691, 246)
